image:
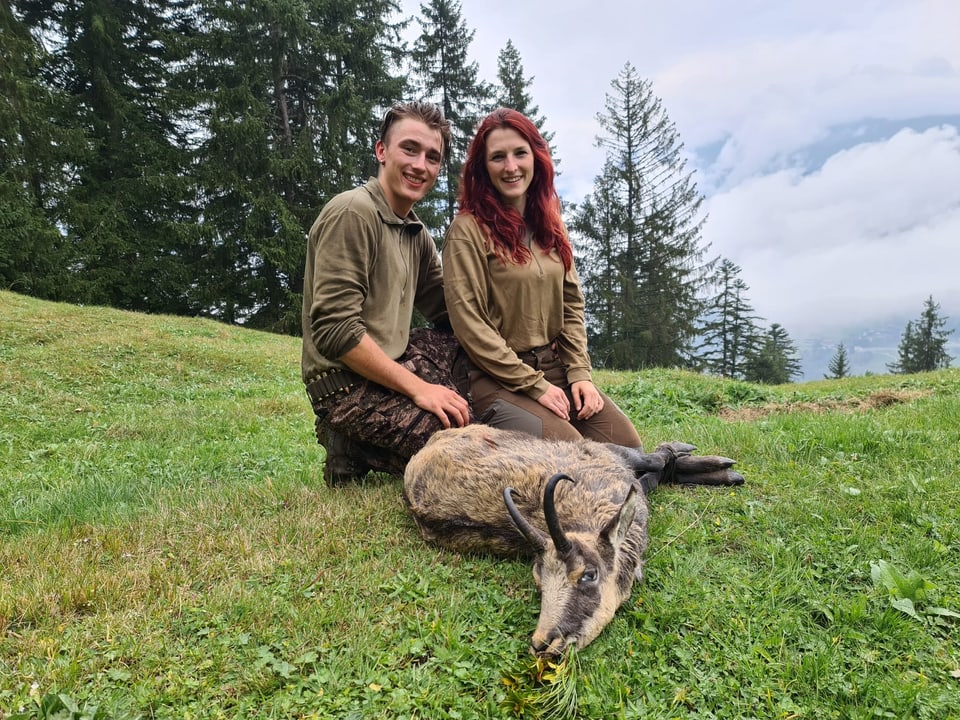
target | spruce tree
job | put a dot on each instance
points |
(923, 346)
(513, 91)
(290, 105)
(774, 360)
(447, 77)
(125, 208)
(34, 162)
(729, 324)
(602, 270)
(652, 244)
(839, 365)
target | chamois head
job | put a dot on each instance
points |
(582, 575)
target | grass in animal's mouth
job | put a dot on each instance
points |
(544, 688)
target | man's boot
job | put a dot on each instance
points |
(344, 462)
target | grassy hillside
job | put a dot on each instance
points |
(168, 548)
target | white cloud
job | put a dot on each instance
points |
(772, 96)
(869, 235)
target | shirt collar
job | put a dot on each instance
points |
(411, 222)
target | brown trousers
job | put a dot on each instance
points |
(502, 408)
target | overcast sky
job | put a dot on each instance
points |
(825, 135)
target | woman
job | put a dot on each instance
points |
(513, 295)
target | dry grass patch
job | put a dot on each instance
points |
(875, 401)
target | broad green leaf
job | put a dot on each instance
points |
(941, 611)
(905, 605)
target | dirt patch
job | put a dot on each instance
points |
(875, 401)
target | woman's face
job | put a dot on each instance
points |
(510, 165)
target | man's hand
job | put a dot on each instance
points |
(586, 399)
(368, 359)
(443, 402)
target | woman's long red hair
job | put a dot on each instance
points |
(502, 223)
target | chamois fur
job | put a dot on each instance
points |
(455, 489)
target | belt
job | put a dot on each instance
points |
(535, 352)
(331, 382)
(535, 357)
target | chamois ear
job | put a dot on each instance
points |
(619, 525)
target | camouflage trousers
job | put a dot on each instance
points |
(387, 427)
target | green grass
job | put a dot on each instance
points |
(168, 549)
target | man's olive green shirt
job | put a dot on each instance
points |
(366, 270)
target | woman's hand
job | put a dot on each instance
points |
(555, 400)
(587, 400)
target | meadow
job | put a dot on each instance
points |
(168, 549)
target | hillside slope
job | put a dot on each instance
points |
(168, 548)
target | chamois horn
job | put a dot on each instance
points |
(533, 536)
(560, 541)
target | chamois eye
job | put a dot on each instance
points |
(589, 576)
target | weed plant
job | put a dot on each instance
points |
(168, 549)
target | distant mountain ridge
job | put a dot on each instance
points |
(869, 350)
(812, 157)
(847, 135)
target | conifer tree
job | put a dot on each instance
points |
(513, 92)
(774, 359)
(923, 346)
(125, 208)
(651, 245)
(839, 365)
(448, 78)
(291, 103)
(34, 160)
(729, 324)
(602, 270)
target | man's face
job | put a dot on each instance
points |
(409, 163)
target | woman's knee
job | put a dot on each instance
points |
(555, 428)
(611, 425)
(534, 420)
(505, 415)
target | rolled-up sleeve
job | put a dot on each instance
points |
(343, 242)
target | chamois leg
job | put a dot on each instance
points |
(673, 463)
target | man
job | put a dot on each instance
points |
(378, 390)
